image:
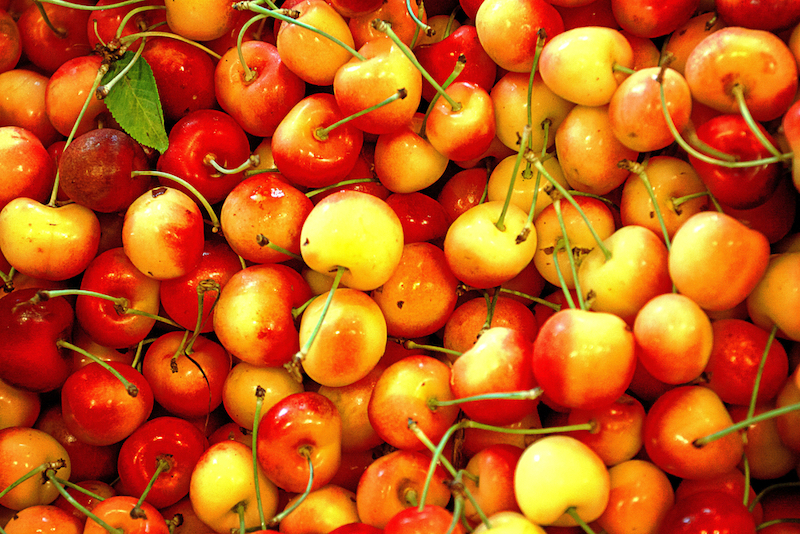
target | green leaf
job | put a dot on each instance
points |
(133, 102)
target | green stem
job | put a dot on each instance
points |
(639, 169)
(491, 305)
(83, 7)
(120, 303)
(81, 489)
(570, 256)
(751, 409)
(523, 146)
(215, 225)
(622, 68)
(744, 423)
(294, 366)
(573, 513)
(163, 466)
(321, 134)
(765, 524)
(566, 194)
(561, 281)
(132, 13)
(461, 62)
(738, 93)
(50, 474)
(249, 75)
(297, 312)
(8, 280)
(686, 198)
(260, 392)
(705, 158)
(90, 95)
(46, 19)
(32, 473)
(203, 287)
(281, 516)
(386, 27)
(132, 390)
(314, 192)
(746, 470)
(251, 161)
(529, 394)
(420, 25)
(263, 241)
(149, 33)
(773, 487)
(409, 344)
(252, 6)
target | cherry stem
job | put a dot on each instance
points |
(690, 134)
(738, 93)
(8, 280)
(83, 7)
(253, 172)
(343, 183)
(249, 75)
(102, 90)
(50, 474)
(523, 146)
(302, 451)
(132, 390)
(203, 287)
(252, 6)
(530, 156)
(410, 345)
(528, 394)
(263, 241)
(765, 524)
(458, 491)
(260, 392)
(704, 157)
(58, 464)
(252, 161)
(751, 409)
(386, 27)
(163, 465)
(461, 62)
(90, 94)
(240, 513)
(81, 489)
(677, 201)
(436, 458)
(149, 33)
(60, 33)
(132, 13)
(430, 32)
(561, 281)
(297, 312)
(321, 134)
(570, 256)
(573, 513)
(215, 224)
(175, 522)
(491, 305)
(744, 423)
(639, 169)
(773, 487)
(746, 471)
(301, 354)
(120, 303)
(535, 300)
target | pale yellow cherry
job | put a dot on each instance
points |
(567, 475)
(314, 57)
(47, 242)
(483, 255)
(201, 20)
(356, 231)
(579, 64)
(525, 185)
(510, 97)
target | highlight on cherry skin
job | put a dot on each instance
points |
(351, 266)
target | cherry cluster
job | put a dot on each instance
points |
(363, 266)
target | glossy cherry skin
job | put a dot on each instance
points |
(196, 139)
(27, 326)
(430, 520)
(190, 385)
(743, 187)
(423, 218)
(440, 58)
(711, 511)
(116, 512)
(46, 49)
(174, 440)
(98, 409)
